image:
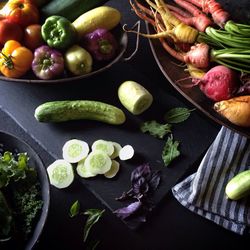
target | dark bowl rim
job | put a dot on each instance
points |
(45, 191)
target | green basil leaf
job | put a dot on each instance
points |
(170, 151)
(156, 129)
(177, 115)
(93, 217)
(74, 209)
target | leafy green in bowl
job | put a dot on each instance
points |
(24, 194)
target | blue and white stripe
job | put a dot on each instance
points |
(204, 191)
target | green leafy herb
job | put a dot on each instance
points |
(156, 129)
(177, 115)
(74, 209)
(93, 217)
(28, 204)
(12, 169)
(170, 151)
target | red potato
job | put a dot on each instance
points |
(219, 83)
(10, 31)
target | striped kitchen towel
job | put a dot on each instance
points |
(204, 191)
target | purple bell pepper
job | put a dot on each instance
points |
(101, 44)
(48, 63)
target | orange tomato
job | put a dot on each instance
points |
(22, 12)
(15, 60)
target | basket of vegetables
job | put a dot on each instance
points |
(24, 194)
(58, 41)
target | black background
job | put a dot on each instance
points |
(169, 226)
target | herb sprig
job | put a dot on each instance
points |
(158, 130)
(93, 216)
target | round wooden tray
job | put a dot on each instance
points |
(170, 69)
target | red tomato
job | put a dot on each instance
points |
(32, 36)
(10, 31)
(22, 12)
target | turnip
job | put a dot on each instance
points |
(219, 83)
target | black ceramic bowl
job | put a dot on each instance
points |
(12, 144)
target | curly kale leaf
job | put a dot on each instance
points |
(12, 169)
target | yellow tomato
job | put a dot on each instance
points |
(15, 60)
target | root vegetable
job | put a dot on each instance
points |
(198, 55)
(219, 83)
(219, 15)
(198, 20)
(236, 110)
(172, 26)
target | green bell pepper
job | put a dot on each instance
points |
(58, 32)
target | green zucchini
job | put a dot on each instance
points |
(71, 9)
(239, 186)
(59, 111)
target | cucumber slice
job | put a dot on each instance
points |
(117, 148)
(113, 170)
(102, 145)
(126, 153)
(82, 170)
(60, 173)
(75, 150)
(134, 97)
(98, 162)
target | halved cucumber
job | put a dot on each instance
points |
(113, 170)
(98, 162)
(126, 153)
(60, 173)
(75, 150)
(134, 97)
(102, 145)
(82, 170)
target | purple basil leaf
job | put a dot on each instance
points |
(154, 181)
(141, 171)
(129, 210)
(140, 187)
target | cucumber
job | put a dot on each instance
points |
(59, 111)
(126, 153)
(75, 150)
(71, 9)
(239, 186)
(98, 162)
(60, 173)
(105, 146)
(134, 97)
(117, 148)
(113, 170)
(82, 170)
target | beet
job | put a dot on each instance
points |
(219, 83)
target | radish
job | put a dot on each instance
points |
(198, 56)
(219, 83)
